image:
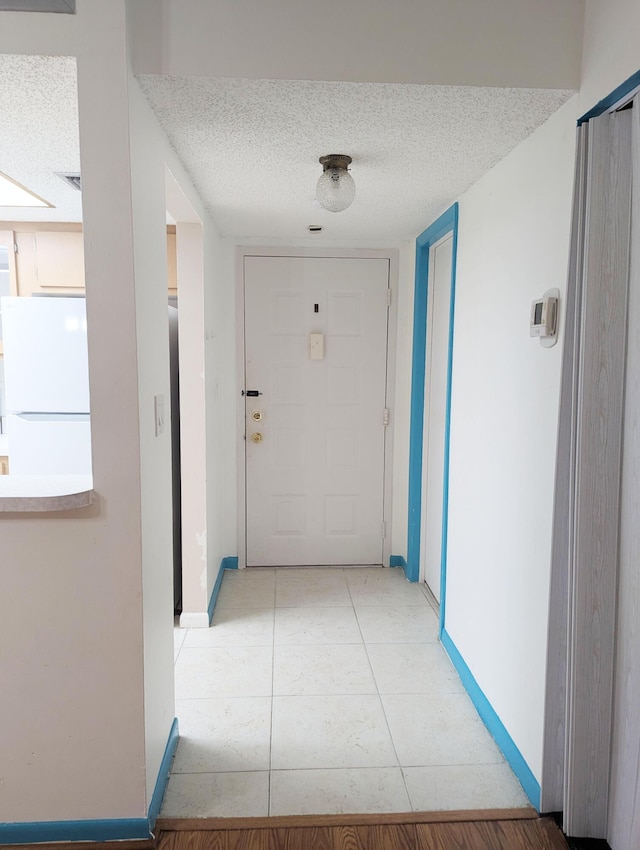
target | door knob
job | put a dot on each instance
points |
(256, 415)
(256, 437)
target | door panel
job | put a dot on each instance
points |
(314, 483)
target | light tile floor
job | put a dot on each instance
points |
(326, 691)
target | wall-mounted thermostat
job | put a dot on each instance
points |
(544, 318)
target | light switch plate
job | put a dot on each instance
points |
(158, 410)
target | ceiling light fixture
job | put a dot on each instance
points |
(14, 194)
(335, 190)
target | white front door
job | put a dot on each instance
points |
(316, 351)
(435, 410)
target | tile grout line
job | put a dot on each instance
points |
(379, 695)
(400, 766)
(395, 749)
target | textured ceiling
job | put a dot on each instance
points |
(39, 133)
(252, 148)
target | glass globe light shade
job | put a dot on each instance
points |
(335, 190)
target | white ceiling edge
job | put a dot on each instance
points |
(251, 148)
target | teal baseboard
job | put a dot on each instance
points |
(493, 723)
(115, 829)
(398, 561)
(228, 563)
(118, 829)
(163, 774)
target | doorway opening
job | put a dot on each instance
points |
(186, 279)
(314, 456)
(434, 303)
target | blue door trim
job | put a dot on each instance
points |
(447, 223)
(611, 99)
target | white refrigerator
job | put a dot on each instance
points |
(46, 385)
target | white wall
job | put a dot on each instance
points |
(86, 665)
(151, 154)
(513, 245)
(150, 269)
(610, 53)
(206, 402)
(221, 399)
(39, 34)
(493, 43)
(72, 665)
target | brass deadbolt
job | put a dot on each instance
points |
(256, 415)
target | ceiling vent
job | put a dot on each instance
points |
(71, 177)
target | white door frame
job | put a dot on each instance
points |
(392, 255)
(426, 435)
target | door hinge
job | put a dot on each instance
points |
(388, 298)
(384, 529)
(385, 417)
(15, 247)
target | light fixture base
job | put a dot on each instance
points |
(335, 160)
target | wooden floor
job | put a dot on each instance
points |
(531, 833)
(515, 830)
